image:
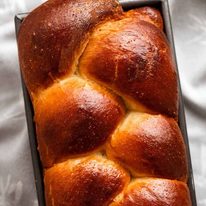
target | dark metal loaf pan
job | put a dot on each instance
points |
(162, 6)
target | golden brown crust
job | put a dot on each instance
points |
(52, 37)
(155, 192)
(93, 181)
(147, 14)
(139, 65)
(128, 53)
(150, 145)
(73, 118)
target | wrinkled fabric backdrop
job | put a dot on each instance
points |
(17, 186)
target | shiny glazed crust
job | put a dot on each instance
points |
(147, 145)
(73, 118)
(104, 91)
(58, 30)
(158, 192)
(88, 181)
(139, 67)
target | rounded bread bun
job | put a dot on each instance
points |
(149, 145)
(90, 181)
(154, 192)
(139, 66)
(74, 117)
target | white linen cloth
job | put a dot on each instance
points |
(17, 186)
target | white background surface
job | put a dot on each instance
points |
(16, 174)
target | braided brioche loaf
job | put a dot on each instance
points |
(103, 86)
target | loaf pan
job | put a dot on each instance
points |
(162, 6)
